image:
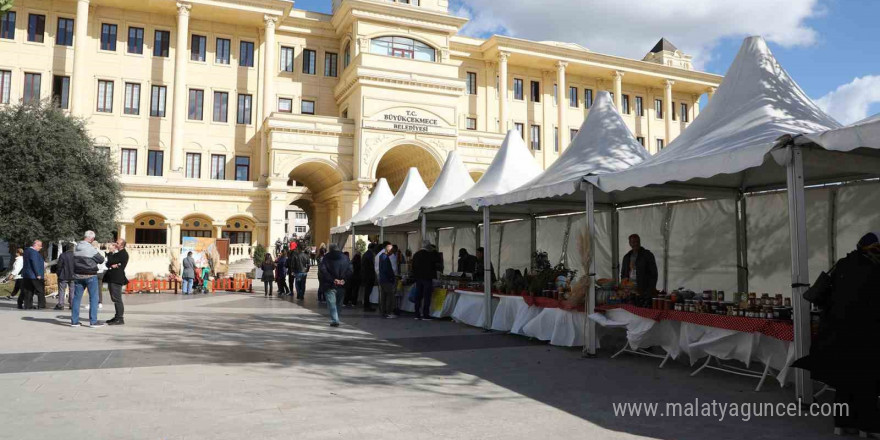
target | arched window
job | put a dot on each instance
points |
(346, 55)
(403, 47)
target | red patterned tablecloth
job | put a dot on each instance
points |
(782, 330)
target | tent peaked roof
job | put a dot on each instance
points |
(512, 166)
(453, 182)
(380, 198)
(412, 190)
(755, 105)
(603, 144)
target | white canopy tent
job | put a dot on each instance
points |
(411, 191)
(729, 150)
(380, 198)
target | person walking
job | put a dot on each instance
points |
(281, 274)
(116, 280)
(33, 273)
(352, 288)
(387, 283)
(188, 273)
(842, 356)
(333, 274)
(268, 268)
(66, 275)
(278, 246)
(291, 271)
(368, 275)
(424, 269)
(15, 274)
(86, 260)
(299, 264)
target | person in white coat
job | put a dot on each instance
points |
(15, 274)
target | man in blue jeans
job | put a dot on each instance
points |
(424, 269)
(86, 259)
(333, 272)
(298, 264)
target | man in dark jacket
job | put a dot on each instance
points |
(387, 282)
(467, 263)
(333, 272)
(33, 278)
(424, 270)
(66, 274)
(640, 268)
(299, 269)
(480, 268)
(368, 275)
(86, 259)
(115, 278)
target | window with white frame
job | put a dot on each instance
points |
(218, 167)
(196, 108)
(193, 165)
(285, 105)
(221, 55)
(198, 47)
(331, 63)
(536, 137)
(105, 96)
(310, 59)
(243, 116)
(471, 83)
(287, 56)
(221, 107)
(308, 107)
(5, 86)
(157, 101)
(128, 161)
(132, 102)
(471, 123)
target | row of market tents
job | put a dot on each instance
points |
(754, 149)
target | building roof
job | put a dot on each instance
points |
(662, 45)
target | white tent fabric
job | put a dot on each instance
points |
(512, 166)
(603, 144)
(865, 133)
(453, 182)
(702, 241)
(411, 191)
(756, 104)
(380, 198)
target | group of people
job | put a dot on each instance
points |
(77, 270)
(288, 270)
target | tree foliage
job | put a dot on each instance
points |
(55, 183)
(5, 5)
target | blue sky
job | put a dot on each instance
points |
(824, 44)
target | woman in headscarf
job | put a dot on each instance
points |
(845, 351)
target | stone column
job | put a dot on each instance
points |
(277, 207)
(80, 81)
(561, 106)
(122, 232)
(711, 93)
(696, 99)
(618, 90)
(502, 93)
(363, 195)
(178, 109)
(321, 233)
(269, 67)
(667, 104)
(218, 230)
(175, 234)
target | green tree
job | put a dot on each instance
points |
(259, 254)
(55, 184)
(360, 246)
(5, 5)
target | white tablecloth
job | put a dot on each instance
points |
(470, 308)
(561, 327)
(448, 305)
(523, 317)
(405, 304)
(643, 332)
(509, 307)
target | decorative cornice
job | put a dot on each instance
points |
(184, 9)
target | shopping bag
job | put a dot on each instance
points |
(374, 295)
(413, 293)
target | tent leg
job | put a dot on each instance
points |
(667, 229)
(533, 243)
(353, 240)
(742, 245)
(615, 245)
(381, 234)
(590, 339)
(424, 229)
(832, 227)
(487, 266)
(799, 269)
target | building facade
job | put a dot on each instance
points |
(223, 113)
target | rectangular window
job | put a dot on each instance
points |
(136, 40)
(536, 91)
(155, 159)
(243, 116)
(471, 123)
(555, 94)
(222, 51)
(5, 86)
(161, 43)
(658, 108)
(659, 144)
(61, 91)
(221, 106)
(641, 140)
(588, 98)
(521, 129)
(105, 96)
(684, 112)
(556, 139)
(64, 36)
(128, 161)
(36, 27)
(242, 168)
(132, 104)
(7, 25)
(673, 111)
(196, 105)
(198, 47)
(157, 101)
(287, 54)
(331, 63)
(32, 87)
(518, 89)
(301, 215)
(624, 104)
(308, 107)
(471, 83)
(640, 107)
(218, 167)
(246, 54)
(309, 60)
(193, 165)
(285, 105)
(108, 37)
(536, 137)
(573, 133)
(573, 97)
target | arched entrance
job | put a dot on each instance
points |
(314, 186)
(395, 163)
(149, 228)
(300, 218)
(239, 230)
(196, 225)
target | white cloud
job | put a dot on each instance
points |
(630, 28)
(851, 102)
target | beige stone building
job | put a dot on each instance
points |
(222, 113)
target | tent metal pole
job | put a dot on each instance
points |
(533, 243)
(424, 229)
(742, 244)
(667, 229)
(381, 234)
(353, 239)
(615, 244)
(832, 227)
(800, 276)
(487, 266)
(590, 339)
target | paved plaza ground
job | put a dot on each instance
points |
(239, 366)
